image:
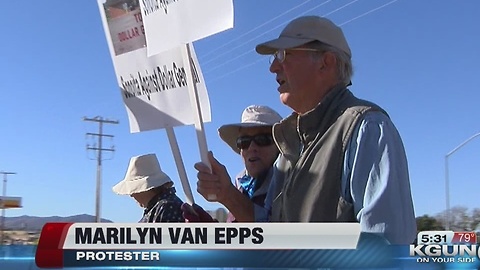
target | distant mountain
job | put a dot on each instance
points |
(31, 223)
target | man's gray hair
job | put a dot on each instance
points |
(344, 62)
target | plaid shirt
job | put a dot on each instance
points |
(164, 207)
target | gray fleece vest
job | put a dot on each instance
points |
(314, 146)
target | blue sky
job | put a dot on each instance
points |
(419, 60)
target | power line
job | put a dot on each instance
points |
(250, 51)
(240, 45)
(340, 8)
(99, 150)
(245, 53)
(368, 12)
(265, 23)
(3, 206)
(231, 60)
(236, 70)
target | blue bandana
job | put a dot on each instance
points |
(248, 185)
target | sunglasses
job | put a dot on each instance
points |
(243, 142)
(280, 55)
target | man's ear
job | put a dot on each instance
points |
(329, 60)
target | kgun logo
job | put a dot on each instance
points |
(445, 253)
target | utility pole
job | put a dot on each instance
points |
(4, 195)
(99, 150)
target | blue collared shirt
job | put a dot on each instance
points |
(374, 179)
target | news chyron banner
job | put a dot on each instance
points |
(248, 245)
(190, 244)
(153, 88)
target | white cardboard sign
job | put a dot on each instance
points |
(169, 23)
(154, 89)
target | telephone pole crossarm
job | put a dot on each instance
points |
(100, 120)
(100, 149)
(96, 134)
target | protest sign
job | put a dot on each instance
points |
(154, 89)
(170, 23)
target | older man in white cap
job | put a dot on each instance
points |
(252, 140)
(344, 158)
(152, 189)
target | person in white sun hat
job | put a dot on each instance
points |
(252, 140)
(152, 189)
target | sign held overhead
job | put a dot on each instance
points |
(170, 23)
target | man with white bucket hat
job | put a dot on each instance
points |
(152, 189)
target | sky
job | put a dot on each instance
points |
(417, 59)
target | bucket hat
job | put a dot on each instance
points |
(252, 116)
(143, 173)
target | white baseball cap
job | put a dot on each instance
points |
(306, 29)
